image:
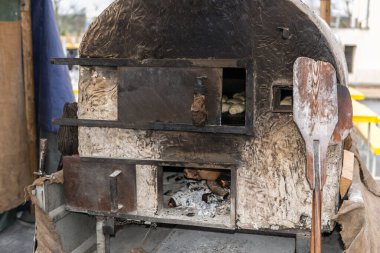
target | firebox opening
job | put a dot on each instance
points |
(233, 100)
(199, 194)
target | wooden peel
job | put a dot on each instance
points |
(315, 111)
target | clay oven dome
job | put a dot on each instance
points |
(274, 33)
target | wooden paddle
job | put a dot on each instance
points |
(315, 111)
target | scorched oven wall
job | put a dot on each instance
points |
(267, 152)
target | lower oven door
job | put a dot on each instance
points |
(99, 187)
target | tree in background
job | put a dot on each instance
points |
(72, 21)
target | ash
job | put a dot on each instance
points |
(195, 198)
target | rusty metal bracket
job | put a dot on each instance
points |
(285, 32)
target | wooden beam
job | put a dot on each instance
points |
(27, 51)
(326, 11)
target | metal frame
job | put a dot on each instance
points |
(168, 63)
(115, 209)
(248, 129)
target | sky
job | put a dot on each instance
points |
(93, 7)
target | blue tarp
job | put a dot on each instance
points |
(53, 85)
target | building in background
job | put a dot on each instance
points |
(357, 25)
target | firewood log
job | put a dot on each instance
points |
(201, 174)
(217, 189)
(190, 173)
(209, 174)
(224, 180)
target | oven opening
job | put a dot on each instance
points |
(197, 194)
(234, 98)
(282, 98)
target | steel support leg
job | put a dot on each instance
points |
(302, 243)
(104, 229)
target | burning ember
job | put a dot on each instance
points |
(198, 192)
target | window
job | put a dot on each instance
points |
(233, 100)
(349, 52)
(282, 99)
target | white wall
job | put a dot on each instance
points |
(366, 67)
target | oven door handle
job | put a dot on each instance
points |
(115, 206)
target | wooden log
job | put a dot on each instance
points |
(27, 50)
(217, 189)
(201, 174)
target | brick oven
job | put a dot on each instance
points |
(184, 115)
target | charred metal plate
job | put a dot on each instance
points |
(97, 186)
(165, 95)
(194, 147)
